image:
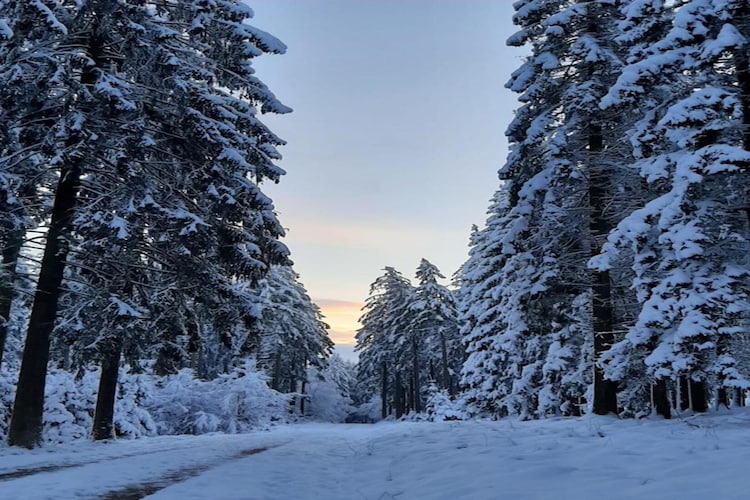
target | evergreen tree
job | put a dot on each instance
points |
(434, 330)
(688, 239)
(26, 114)
(380, 342)
(74, 92)
(555, 215)
(186, 207)
(293, 335)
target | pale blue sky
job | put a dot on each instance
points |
(396, 136)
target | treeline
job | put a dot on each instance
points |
(133, 227)
(409, 344)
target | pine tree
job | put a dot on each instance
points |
(688, 240)
(74, 92)
(489, 346)
(553, 218)
(187, 207)
(293, 335)
(434, 325)
(381, 343)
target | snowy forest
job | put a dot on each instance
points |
(145, 288)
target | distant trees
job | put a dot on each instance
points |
(291, 330)
(409, 339)
(616, 246)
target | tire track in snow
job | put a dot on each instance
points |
(30, 471)
(136, 492)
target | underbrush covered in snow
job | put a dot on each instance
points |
(149, 405)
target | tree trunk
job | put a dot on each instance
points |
(302, 398)
(384, 391)
(7, 282)
(104, 413)
(661, 398)
(738, 397)
(446, 371)
(722, 398)
(699, 396)
(400, 396)
(605, 391)
(415, 356)
(26, 422)
(411, 405)
(276, 381)
(684, 393)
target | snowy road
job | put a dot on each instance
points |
(702, 457)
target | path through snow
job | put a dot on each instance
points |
(593, 457)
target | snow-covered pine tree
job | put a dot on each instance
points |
(222, 155)
(434, 329)
(504, 355)
(221, 228)
(206, 220)
(25, 111)
(381, 343)
(293, 335)
(480, 316)
(689, 239)
(78, 54)
(558, 184)
(642, 23)
(586, 140)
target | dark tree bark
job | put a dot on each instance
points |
(415, 375)
(605, 391)
(276, 381)
(738, 398)
(661, 398)
(26, 422)
(7, 282)
(722, 398)
(302, 399)
(699, 395)
(693, 394)
(104, 414)
(400, 397)
(446, 371)
(384, 390)
(410, 405)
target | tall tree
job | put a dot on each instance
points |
(380, 340)
(689, 239)
(193, 213)
(75, 93)
(553, 216)
(293, 335)
(434, 329)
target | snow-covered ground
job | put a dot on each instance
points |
(592, 457)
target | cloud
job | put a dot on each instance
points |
(338, 304)
(340, 337)
(342, 316)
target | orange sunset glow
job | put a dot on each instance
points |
(342, 317)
